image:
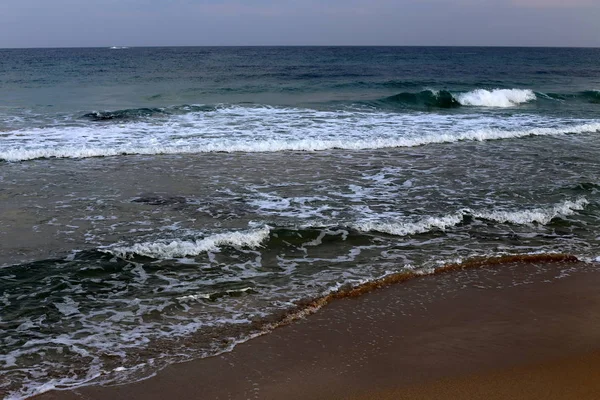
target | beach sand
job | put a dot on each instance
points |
(507, 331)
(575, 377)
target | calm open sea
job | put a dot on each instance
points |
(162, 204)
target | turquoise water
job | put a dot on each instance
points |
(161, 204)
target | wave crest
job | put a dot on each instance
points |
(411, 228)
(196, 146)
(539, 215)
(183, 248)
(496, 98)
(542, 216)
(592, 96)
(501, 98)
(425, 98)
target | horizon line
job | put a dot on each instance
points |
(125, 47)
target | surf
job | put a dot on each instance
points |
(233, 129)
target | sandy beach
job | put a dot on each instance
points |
(574, 377)
(511, 330)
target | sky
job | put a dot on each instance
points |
(91, 23)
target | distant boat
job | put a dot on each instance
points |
(119, 47)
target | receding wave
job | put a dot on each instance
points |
(182, 248)
(399, 277)
(102, 340)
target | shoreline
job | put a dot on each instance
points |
(444, 328)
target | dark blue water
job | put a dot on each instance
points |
(69, 80)
(161, 204)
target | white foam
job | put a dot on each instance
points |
(69, 307)
(538, 215)
(266, 129)
(228, 146)
(195, 297)
(181, 248)
(496, 98)
(541, 216)
(410, 228)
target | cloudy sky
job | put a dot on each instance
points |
(65, 23)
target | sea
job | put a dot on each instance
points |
(165, 204)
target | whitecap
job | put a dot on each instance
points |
(496, 98)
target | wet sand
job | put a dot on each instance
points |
(513, 330)
(575, 377)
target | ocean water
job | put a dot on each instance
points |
(162, 204)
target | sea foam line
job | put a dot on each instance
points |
(277, 145)
(307, 308)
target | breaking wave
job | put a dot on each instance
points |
(182, 248)
(254, 238)
(497, 98)
(542, 216)
(297, 130)
(411, 228)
